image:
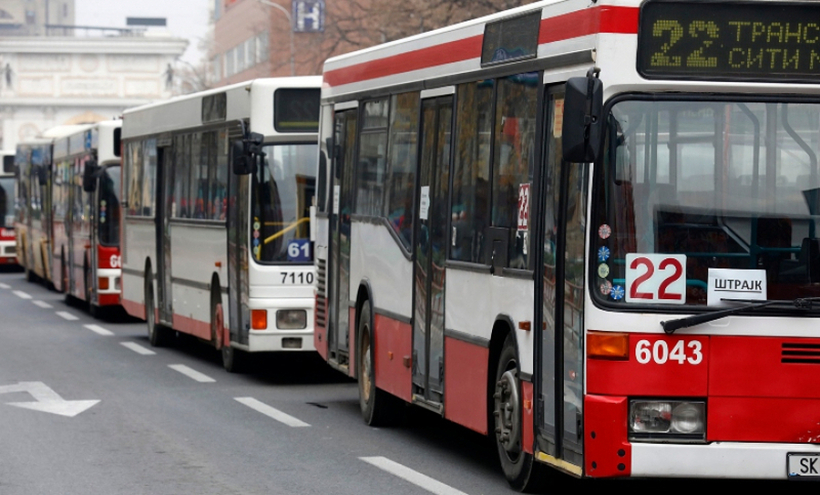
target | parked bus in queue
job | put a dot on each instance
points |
(226, 257)
(587, 230)
(8, 184)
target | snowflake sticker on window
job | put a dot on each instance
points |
(603, 254)
(617, 292)
(604, 231)
(606, 288)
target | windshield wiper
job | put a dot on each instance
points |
(670, 326)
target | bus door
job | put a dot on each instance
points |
(165, 195)
(239, 232)
(561, 294)
(343, 175)
(430, 250)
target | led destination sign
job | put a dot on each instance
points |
(730, 40)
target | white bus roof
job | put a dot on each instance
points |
(247, 100)
(99, 136)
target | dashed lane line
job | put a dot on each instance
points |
(5, 286)
(415, 477)
(42, 304)
(68, 316)
(271, 412)
(191, 373)
(138, 348)
(99, 330)
(21, 294)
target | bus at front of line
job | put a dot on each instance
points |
(587, 230)
(218, 188)
(85, 213)
(8, 185)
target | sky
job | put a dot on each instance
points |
(186, 18)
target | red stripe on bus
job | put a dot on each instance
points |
(109, 299)
(527, 417)
(134, 308)
(191, 326)
(392, 346)
(320, 331)
(465, 384)
(446, 53)
(763, 419)
(620, 20)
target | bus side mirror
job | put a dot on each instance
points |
(90, 176)
(244, 153)
(42, 175)
(242, 164)
(583, 119)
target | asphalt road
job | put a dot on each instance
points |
(171, 421)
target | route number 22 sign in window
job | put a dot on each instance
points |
(656, 278)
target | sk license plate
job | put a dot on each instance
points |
(803, 465)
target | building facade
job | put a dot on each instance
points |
(35, 17)
(47, 81)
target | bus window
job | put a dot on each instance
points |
(471, 171)
(282, 195)
(109, 218)
(404, 124)
(7, 201)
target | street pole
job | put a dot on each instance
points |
(290, 21)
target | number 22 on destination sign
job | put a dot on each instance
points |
(658, 278)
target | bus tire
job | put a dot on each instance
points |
(158, 335)
(378, 407)
(233, 359)
(93, 309)
(520, 469)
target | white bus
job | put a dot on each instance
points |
(587, 230)
(225, 257)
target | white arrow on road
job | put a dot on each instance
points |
(47, 400)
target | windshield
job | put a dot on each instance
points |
(110, 206)
(282, 196)
(7, 202)
(699, 201)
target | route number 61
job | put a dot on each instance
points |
(656, 278)
(659, 352)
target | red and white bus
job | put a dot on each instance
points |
(8, 248)
(586, 229)
(31, 227)
(85, 214)
(218, 190)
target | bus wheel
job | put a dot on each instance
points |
(157, 333)
(376, 405)
(520, 469)
(233, 359)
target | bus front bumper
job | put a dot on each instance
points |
(282, 339)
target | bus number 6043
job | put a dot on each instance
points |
(660, 352)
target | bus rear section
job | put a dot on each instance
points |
(586, 230)
(86, 215)
(8, 190)
(219, 187)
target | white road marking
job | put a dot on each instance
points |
(42, 304)
(5, 286)
(99, 330)
(271, 412)
(138, 348)
(412, 476)
(191, 373)
(21, 294)
(68, 316)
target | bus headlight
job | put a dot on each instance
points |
(291, 319)
(667, 420)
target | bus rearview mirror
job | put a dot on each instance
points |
(583, 109)
(89, 176)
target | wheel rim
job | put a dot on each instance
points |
(507, 413)
(365, 365)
